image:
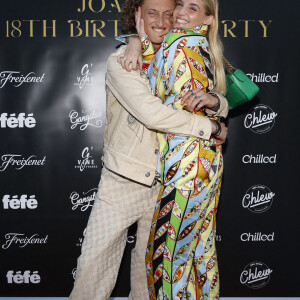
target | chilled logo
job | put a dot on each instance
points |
(257, 237)
(86, 161)
(74, 271)
(17, 79)
(258, 199)
(21, 240)
(83, 201)
(259, 159)
(22, 202)
(131, 239)
(26, 277)
(86, 77)
(90, 117)
(263, 77)
(260, 119)
(14, 121)
(19, 162)
(255, 275)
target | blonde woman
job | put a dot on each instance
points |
(181, 256)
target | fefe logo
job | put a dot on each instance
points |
(20, 278)
(20, 121)
(260, 119)
(23, 202)
(258, 199)
(255, 275)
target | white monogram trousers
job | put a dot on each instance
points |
(120, 202)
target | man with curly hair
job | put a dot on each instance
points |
(127, 190)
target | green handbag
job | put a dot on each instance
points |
(240, 88)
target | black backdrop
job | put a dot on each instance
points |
(52, 115)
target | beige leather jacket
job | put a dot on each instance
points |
(133, 115)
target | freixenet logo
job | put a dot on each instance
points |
(19, 162)
(83, 201)
(20, 121)
(258, 199)
(90, 117)
(263, 77)
(16, 202)
(17, 79)
(86, 77)
(259, 159)
(20, 240)
(255, 275)
(260, 119)
(20, 278)
(257, 237)
(86, 161)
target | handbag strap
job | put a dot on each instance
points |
(228, 66)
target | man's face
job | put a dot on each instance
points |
(157, 16)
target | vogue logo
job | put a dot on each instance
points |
(259, 159)
(90, 117)
(85, 201)
(85, 78)
(20, 278)
(86, 161)
(255, 275)
(22, 202)
(260, 119)
(17, 80)
(257, 237)
(258, 199)
(22, 241)
(20, 121)
(262, 77)
(19, 163)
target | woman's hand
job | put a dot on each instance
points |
(221, 138)
(140, 28)
(200, 100)
(131, 59)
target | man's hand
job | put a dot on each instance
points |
(200, 100)
(131, 59)
(221, 138)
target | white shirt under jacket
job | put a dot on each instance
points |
(133, 115)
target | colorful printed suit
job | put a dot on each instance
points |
(181, 258)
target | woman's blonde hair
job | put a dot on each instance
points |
(216, 46)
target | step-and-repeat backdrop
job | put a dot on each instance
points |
(52, 115)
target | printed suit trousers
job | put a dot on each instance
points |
(120, 202)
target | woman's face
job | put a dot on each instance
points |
(190, 13)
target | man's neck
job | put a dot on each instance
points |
(156, 46)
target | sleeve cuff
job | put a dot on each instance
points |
(122, 38)
(223, 110)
